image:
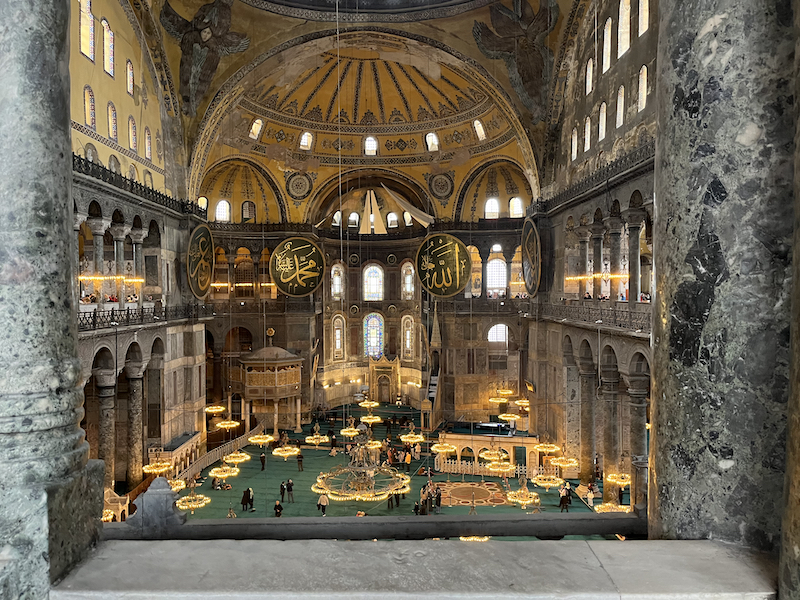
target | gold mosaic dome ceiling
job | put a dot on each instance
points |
(241, 182)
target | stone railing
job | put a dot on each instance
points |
(468, 467)
(217, 226)
(485, 305)
(104, 319)
(611, 316)
(98, 171)
(209, 458)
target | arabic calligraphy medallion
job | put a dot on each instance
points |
(297, 266)
(200, 261)
(443, 265)
(531, 257)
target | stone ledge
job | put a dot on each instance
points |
(310, 569)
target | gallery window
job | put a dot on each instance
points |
(589, 76)
(607, 45)
(87, 29)
(337, 282)
(491, 210)
(338, 337)
(108, 48)
(88, 107)
(624, 27)
(373, 283)
(407, 288)
(373, 335)
(408, 338)
(496, 276)
(223, 212)
(642, 99)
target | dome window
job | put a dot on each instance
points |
(391, 220)
(370, 146)
(306, 140)
(432, 142)
(479, 130)
(255, 129)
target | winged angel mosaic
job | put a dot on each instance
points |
(519, 40)
(203, 40)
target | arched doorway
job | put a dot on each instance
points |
(384, 389)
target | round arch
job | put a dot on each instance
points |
(476, 172)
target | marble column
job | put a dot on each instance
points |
(118, 233)
(598, 231)
(52, 494)
(637, 392)
(609, 389)
(106, 381)
(723, 233)
(615, 226)
(275, 418)
(635, 219)
(298, 428)
(98, 228)
(76, 255)
(135, 374)
(137, 239)
(583, 259)
(588, 376)
(508, 255)
(484, 252)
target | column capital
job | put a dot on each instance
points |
(119, 231)
(98, 225)
(583, 232)
(79, 219)
(586, 367)
(597, 229)
(137, 235)
(634, 217)
(105, 378)
(615, 225)
(134, 370)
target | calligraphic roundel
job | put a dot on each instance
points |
(200, 261)
(531, 257)
(297, 266)
(443, 265)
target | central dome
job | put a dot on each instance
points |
(396, 11)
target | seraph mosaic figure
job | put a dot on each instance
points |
(203, 40)
(519, 40)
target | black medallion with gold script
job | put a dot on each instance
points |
(200, 261)
(297, 266)
(531, 256)
(443, 265)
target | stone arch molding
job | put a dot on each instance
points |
(118, 346)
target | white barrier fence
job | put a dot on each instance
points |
(468, 467)
(209, 458)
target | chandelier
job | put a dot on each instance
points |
(224, 471)
(524, 402)
(493, 455)
(192, 501)
(227, 424)
(565, 463)
(374, 445)
(498, 400)
(508, 416)
(411, 437)
(157, 467)
(612, 507)
(523, 496)
(286, 451)
(176, 484)
(350, 431)
(547, 481)
(108, 515)
(363, 479)
(368, 404)
(621, 479)
(504, 390)
(443, 448)
(215, 409)
(502, 467)
(546, 448)
(236, 458)
(261, 439)
(475, 538)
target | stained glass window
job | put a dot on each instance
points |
(148, 144)
(408, 281)
(337, 282)
(129, 71)
(373, 335)
(338, 337)
(112, 122)
(108, 48)
(624, 27)
(373, 283)
(408, 338)
(87, 29)
(88, 107)
(132, 134)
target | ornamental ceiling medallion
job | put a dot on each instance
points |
(531, 256)
(443, 265)
(297, 267)
(200, 261)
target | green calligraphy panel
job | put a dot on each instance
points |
(200, 261)
(297, 267)
(443, 265)
(531, 257)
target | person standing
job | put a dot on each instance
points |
(323, 503)
(290, 490)
(416, 508)
(283, 490)
(438, 499)
(263, 460)
(590, 498)
(278, 508)
(563, 500)
(245, 499)
(417, 451)
(390, 502)
(252, 499)
(300, 461)
(408, 462)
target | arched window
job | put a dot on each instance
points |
(148, 144)
(497, 248)
(515, 208)
(644, 16)
(587, 134)
(601, 126)
(113, 164)
(248, 211)
(624, 27)
(589, 76)
(129, 76)
(337, 219)
(642, 100)
(108, 48)
(337, 282)
(87, 29)
(407, 219)
(373, 335)
(255, 129)
(479, 130)
(498, 333)
(112, 122)
(373, 283)
(432, 142)
(132, 133)
(338, 337)
(621, 106)
(202, 202)
(408, 338)
(496, 280)
(223, 212)
(352, 220)
(391, 220)
(407, 287)
(306, 140)
(88, 107)
(491, 210)
(371, 146)
(574, 144)
(607, 45)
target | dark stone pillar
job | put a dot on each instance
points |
(609, 388)
(216, 385)
(98, 228)
(615, 226)
(508, 255)
(583, 259)
(637, 392)
(135, 374)
(588, 441)
(723, 233)
(484, 252)
(598, 231)
(137, 239)
(106, 446)
(52, 497)
(118, 233)
(635, 219)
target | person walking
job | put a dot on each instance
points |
(416, 508)
(245, 499)
(408, 462)
(290, 490)
(563, 500)
(263, 460)
(278, 508)
(322, 503)
(417, 451)
(390, 502)
(252, 499)
(590, 498)
(283, 490)
(300, 461)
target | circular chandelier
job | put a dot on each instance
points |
(565, 463)
(317, 439)
(411, 437)
(371, 419)
(374, 445)
(524, 402)
(546, 448)
(192, 501)
(505, 391)
(261, 439)
(286, 451)
(498, 400)
(621, 479)
(236, 458)
(523, 496)
(509, 416)
(493, 455)
(158, 467)
(612, 507)
(502, 467)
(547, 481)
(368, 404)
(224, 471)
(350, 431)
(227, 424)
(215, 409)
(363, 479)
(443, 448)
(176, 484)
(108, 515)
(475, 538)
